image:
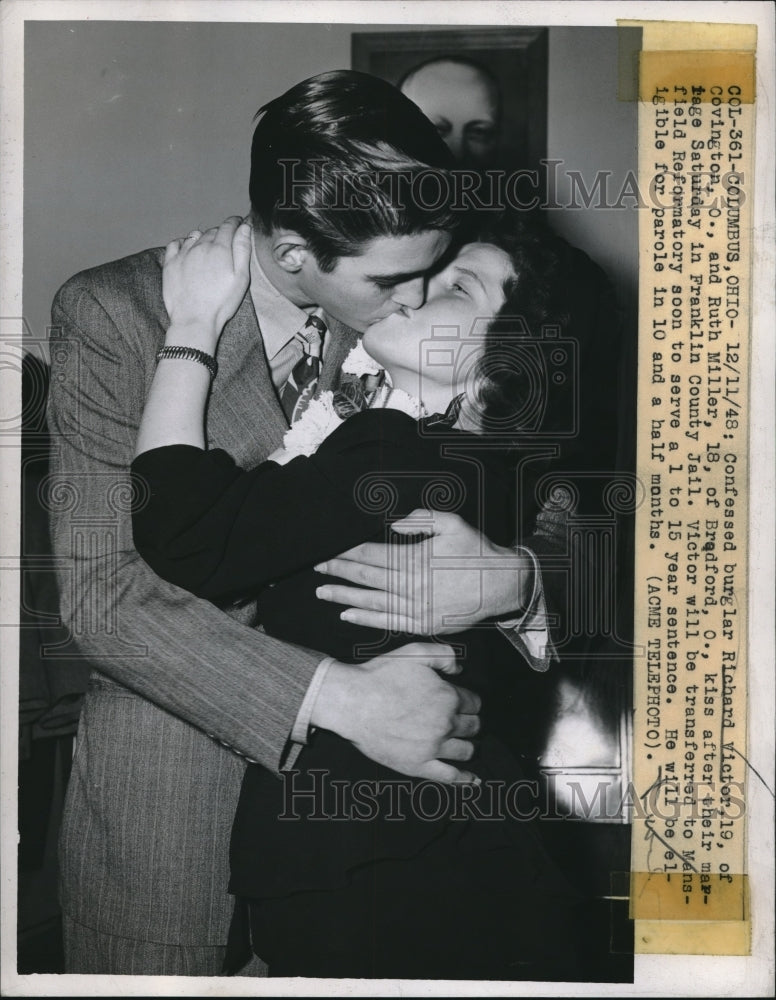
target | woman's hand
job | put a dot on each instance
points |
(453, 579)
(204, 280)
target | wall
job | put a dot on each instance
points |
(590, 130)
(137, 132)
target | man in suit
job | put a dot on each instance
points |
(181, 692)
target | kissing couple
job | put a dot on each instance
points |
(327, 416)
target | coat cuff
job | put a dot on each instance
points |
(529, 633)
(301, 730)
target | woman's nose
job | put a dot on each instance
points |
(410, 293)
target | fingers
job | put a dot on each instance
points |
(183, 243)
(469, 703)
(377, 599)
(172, 250)
(174, 247)
(233, 232)
(371, 553)
(439, 658)
(242, 246)
(437, 770)
(372, 600)
(225, 233)
(419, 521)
(384, 621)
(430, 522)
(454, 749)
(379, 575)
(464, 727)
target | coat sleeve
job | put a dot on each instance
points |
(223, 532)
(214, 671)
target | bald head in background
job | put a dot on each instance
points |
(463, 101)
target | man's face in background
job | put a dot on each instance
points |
(463, 104)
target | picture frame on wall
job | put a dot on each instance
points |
(514, 59)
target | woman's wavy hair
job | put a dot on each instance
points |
(517, 384)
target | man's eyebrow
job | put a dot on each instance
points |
(398, 278)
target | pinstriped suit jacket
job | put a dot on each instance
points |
(144, 844)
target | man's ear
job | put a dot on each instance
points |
(289, 251)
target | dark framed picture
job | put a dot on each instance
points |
(485, 88)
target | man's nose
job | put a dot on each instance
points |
(410, 293)
(455, 143)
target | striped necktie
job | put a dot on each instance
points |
(298, 390)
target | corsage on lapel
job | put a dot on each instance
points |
(364, 385)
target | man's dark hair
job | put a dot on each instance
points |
(338, 159)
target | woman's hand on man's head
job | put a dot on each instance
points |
(204, 280)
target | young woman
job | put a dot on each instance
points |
(348, 869)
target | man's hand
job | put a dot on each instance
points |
(398, 711)
(205, 277)
(449, 581)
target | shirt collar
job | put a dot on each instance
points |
(278, 317)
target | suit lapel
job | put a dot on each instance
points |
(244, 414)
